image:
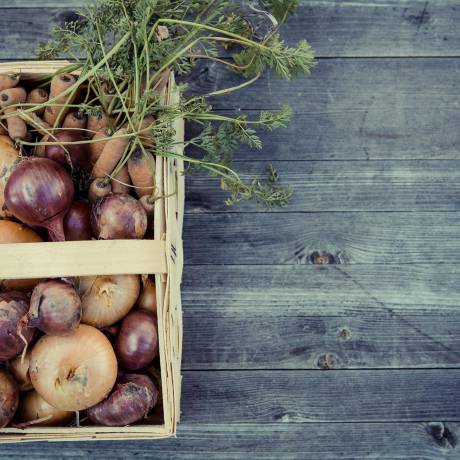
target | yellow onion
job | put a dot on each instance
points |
(73, 372)
(12, 232)
(34, 410)
(19, 368)
(148, 298)
(107, 299)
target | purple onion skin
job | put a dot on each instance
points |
(13, 308)
(39, 192)
(78, 154)
(55, 308)
(9, 398)
(137, 342)
(77, 222)
(118, 216)
(131, 400)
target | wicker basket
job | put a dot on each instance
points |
(162, 256)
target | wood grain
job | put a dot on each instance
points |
(278, 441)
(334, 28)
(343, 186)
(320, 396)
(352, 109)
(338, 238)
(82, 258)
(316, 317)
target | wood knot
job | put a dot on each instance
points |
(322, 258)
(442, 435)
(345, 334)
(328, 361)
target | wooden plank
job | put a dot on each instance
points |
(343, 186)
(352, 109)
(277, 441)
(310, 317)
(338, 238)
(334, 28)
(80, 258)
(321, 396)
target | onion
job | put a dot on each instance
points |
(68, 154)
(98, 189)
(39, 192)
(77, 222)
(9, 157)
(12, 232)
(73, 372)
(148, 298)
(107, 299)
(131, 400)
(137, 343)
(9, 398)
(13, 306)
(34, 410)
(55, 308)
(19, 368)
(118, 216)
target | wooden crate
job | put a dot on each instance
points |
(162, 256)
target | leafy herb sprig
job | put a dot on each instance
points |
(125, 49)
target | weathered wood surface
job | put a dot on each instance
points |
(338, 237)
(432, 440)
(352, 109)
(320, 186)
(334, 28)
(317, 317)
(314, 396)
(263, 319)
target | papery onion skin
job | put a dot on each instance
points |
(9, 398)
(77, 222)
(55, 308)
(76, 156)
(148, 298)
(131, 400)
(75, 371)
(137, 342)
(13, 307)
(12, 232)
(19, 369)
(118, 216)
(107, 299)
(33, 407)
(39, 192)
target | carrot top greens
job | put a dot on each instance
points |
(125, 49)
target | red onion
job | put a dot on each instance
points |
(131, 400)
(137, 343)
(68, 155)
(13, 306)
(9, 398)
(55, 308)
(39, 192)
(118, 216)
(77, 222)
